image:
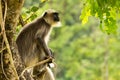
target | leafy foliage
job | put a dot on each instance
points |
(105, 10)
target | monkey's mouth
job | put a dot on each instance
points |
(57, 24)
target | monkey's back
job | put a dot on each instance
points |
(26, 42)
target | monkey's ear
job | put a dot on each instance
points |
(44, 14)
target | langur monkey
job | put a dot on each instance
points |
(33, 39)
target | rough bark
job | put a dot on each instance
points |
(7, 69)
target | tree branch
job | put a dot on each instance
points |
(6, 40)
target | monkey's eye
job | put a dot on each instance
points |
(45, 14)
(56, 13)
(55, 16)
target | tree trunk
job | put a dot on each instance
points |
(9, 15)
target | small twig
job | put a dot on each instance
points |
(21, 21)
(40, 63)
(9, 31)
(2, 49)
(29, 17)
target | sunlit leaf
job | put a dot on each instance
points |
(86, 16)
(43, 0)
(34, 9)
(105, 10)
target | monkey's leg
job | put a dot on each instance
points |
(49, 74)
(37, 64)
(22, 78)
(26, 74)
(45, 74)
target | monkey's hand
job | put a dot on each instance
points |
(49, 57)
(52, 53)
(51, 63)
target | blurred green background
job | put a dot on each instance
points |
(82, 51)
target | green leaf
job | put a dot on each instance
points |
(34, 9)
(33, 17)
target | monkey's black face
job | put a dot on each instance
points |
(56, 16)
(52, 18)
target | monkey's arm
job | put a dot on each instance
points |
(42, 43)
